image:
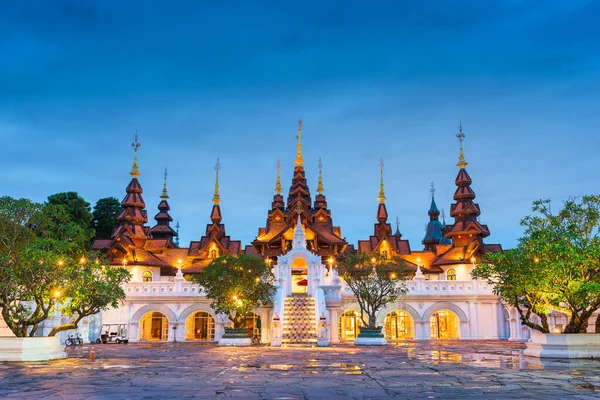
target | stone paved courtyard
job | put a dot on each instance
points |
(408, 370)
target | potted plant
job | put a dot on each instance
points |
(555, 269)
(375, 280)
(237, 285)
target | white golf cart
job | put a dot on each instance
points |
(113, 333)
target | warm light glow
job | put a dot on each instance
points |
(473, 259)
(537, 260)
(330, 260)
(179, 261)
(419, 259)
(60, 263)
(393, 275)
(235, 297)
(57, 294)
(373, 260)
(82, 260)
(257, 279)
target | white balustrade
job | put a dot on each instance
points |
(133, 289)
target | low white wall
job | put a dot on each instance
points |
(31, 349)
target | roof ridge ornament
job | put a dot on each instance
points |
(299, 161)
(216, 198)
(136, 145)
(164, 195)
(461, 157)
(381, 197)
(299, 235)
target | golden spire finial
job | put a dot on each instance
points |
(136, 145)
(216, 199)
(278, 180)
(381, 196)
(299, 161)
(164, 194)
(461, 157)
(320, 189)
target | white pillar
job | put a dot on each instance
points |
(494, 314)
(477, 321)
(470, 320)
(334, 316)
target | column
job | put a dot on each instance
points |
(333, 324)
(470, 320)
(495, 327)
(477, 321)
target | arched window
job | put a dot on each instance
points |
(213, 253)
(451, 275)
(147, 276)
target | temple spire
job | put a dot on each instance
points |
(299, 161)
(320, 189)
(136, 145)
(398, 234)
(216, 198)
(461, 157)
(177, 226)
(164, 195)
(381, 197)
(278, 189)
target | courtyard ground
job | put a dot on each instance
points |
(407, 370)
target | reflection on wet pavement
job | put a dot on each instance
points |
(410, 370)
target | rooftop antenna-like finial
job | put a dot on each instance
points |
(164, 195)
(381, 197)
(216, 198)
(320, 189)
(136, 145)
(299, 161)
(461, 157)
(278, 189)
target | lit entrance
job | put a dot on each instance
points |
(200, 326)
(444, 324)
(348, 325)
(299, 276)
(398, 326)
(252, 325)
(154, 326)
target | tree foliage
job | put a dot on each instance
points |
(555, 267)
(237, 285)
(44, 262)
(375, 280)
(78, 209)
(105, 215)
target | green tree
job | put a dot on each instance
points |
(41, 250)
(78, 209)
(555, 267)
(237, 285)
(92, 286)
(375, 280)
(105, 215)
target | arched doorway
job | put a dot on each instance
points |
(399, 325)
(348, 325)
(200, 326)
(444, 324)
(154, 326)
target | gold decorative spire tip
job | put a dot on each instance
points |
(320, 189)
(164, 194)
(278, 189)
(381, 197)
(136, 145)
(461, 157)
(216, 198)
(299, 161)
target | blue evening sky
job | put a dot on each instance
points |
(371, 80)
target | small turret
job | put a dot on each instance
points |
(162, 229)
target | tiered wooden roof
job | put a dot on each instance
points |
(276, 237)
